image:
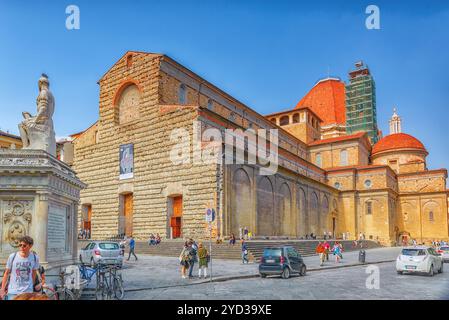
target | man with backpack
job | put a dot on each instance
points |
(193, 249)
(21, 271)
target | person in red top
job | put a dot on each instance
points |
(320, 250)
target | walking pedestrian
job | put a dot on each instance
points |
(337, 249)
(320, 250)
(203, 256)
(327, 247)
(132, 246)
(245, 233)
(184, 259)
(244, 252)
(21, 271)
(193, 250)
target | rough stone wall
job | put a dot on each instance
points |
(154, 175)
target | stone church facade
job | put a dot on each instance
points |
(324, 182)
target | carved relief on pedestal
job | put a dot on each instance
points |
(17, 216)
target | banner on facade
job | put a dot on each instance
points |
(126, 161)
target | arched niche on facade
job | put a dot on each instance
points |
(325, 216)
(314, 214)
(127, 102)
(265, 207)
(285, 221)
(241, 201)
(303, 214)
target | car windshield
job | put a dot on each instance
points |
(413, 252)
(444, 248)
(276, 252)
(108, 246)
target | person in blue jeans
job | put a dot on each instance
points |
(244, 252)
(193, 249)
(132, 245)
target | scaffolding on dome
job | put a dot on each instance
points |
(361, 115)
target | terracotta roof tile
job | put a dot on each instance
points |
(327, 100)
(398, 141)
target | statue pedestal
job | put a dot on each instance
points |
(39, 197)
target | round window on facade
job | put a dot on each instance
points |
(337, 185)
(368, 184)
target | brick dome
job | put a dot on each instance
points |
(398, 141)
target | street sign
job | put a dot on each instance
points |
(210, 215)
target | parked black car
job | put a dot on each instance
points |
(281, 261)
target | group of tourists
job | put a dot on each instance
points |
(323, 249)
(84, 234)
(23, 277)
(191, 253)
(154, 240)
(439, 243)
(245, 234)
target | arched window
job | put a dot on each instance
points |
(344, 157)
(431, 217)
(182, 94)
(318, 160)
(284, 121)
(295, 118)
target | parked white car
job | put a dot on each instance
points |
(444, 251)
(420, 259)
(101, 252)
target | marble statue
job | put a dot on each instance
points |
(37, 132)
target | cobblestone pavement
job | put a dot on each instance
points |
(341, 283)
(156, 271)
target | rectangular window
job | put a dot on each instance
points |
(369, 207)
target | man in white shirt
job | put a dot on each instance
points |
(21, 271)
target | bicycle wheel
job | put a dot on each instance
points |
(119, 291)
(66, 294)
(100, 287)
(51, 294)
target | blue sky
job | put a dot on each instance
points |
(267, 54)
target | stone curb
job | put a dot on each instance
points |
(249, 276)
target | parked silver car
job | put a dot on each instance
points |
(103, 252)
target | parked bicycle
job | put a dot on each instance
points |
(61, 292)
(109, 283)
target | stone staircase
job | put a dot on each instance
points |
(172, 248)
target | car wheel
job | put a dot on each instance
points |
(431, 271)
(399, 272)
(285, 273)
(262, 275)
(302, 271)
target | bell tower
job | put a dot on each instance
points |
(395, 123)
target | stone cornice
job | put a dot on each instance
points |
(36, 161)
